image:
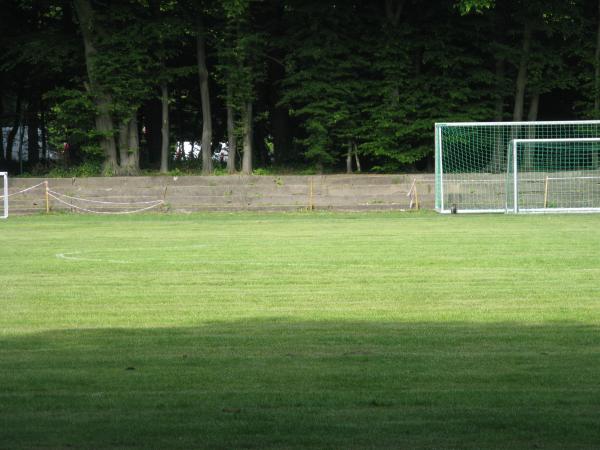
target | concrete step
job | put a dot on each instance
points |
(228, 193)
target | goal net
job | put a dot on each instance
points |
(3, 195)
(554, 175)
(472, 160)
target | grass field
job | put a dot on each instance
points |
(300, 331)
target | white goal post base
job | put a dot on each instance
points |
(4, 196)
(559, 210)
(474, 211)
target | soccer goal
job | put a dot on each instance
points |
(554, 175)
(472, 161)
(4, 195)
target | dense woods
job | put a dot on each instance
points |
(117, 87)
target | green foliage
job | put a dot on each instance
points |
(323, 85)
(385, 93)
(189, 166)
(241, 54)
(132, 55)
(90, 168)
(70, 120)
(467, 6)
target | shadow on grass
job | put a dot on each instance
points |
(285, 384)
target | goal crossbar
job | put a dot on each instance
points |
(495, 124)
(552, 140)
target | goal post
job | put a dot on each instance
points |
(4, 195)
(554, 175)
(472, 160)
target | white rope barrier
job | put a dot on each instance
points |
(57, 196)
(100, 201)
(24, 190)
(158, 202)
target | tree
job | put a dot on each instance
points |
(36, 55)
(326, 77)
(205, 99)
(335, 85)
(102, 100)
(242, 65)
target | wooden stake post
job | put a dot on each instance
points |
(413, 195)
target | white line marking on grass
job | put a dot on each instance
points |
(69, 257)
(74, 256)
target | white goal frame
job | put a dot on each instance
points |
(4, 176)
(514, 147)
(440, 201)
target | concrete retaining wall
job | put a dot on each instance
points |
(226, 193)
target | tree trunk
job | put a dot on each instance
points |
(44, 135)
(597, 70)
(21, 139)
(164, 149)
(319, 167)
(104, 122)
(393, 10)
(499, 107)
(356, 158)
(206, 144)
(33, 137)
(534, 107)
(129, 148)
(231, 137)
(531, 116)
(134, 146)
(104, 125)
(10, 139)
(522, 74)
(248, 138)
(124, 147)
(349, 158)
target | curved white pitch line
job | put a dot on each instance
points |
(69, 257)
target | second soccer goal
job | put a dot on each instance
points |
(549, 166)
(554, 175)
